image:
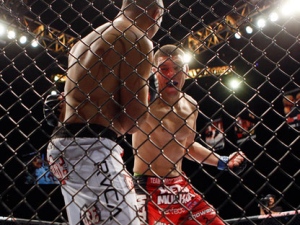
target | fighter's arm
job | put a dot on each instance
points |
(195, 151)
(54, 109)
(135, 71)
(201, 154)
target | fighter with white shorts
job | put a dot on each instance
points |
(96, 187)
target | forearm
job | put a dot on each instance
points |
(135, 111)
(130, 125)
(262, 211)
(202, 155)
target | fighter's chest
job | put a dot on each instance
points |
(173, 120)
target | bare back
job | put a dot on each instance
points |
(171, 130)
(107, 76)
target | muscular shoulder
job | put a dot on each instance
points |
(130, 33)
(191, 101)
(115, 34)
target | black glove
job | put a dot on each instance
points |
(239, 169)
(51, 109)
(153, 87)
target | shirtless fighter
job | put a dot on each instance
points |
(106, 95)
(164, 194)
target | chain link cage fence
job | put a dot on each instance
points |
(254, 43)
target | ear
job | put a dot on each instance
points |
(186, 68)
(154, 69)
(156, 14)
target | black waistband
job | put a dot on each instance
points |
(84, 130)
(142, 182)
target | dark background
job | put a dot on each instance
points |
(267, 61)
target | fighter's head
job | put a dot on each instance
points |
(146, 14)
(170, 68)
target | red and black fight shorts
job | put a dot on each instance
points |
(164, 201)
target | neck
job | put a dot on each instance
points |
(272, 205)
(171, 99)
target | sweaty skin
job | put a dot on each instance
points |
(108, 72)
(169, 132)
(106, 87)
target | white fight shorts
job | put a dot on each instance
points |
(96, 187)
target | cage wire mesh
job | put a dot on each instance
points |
(253, 43)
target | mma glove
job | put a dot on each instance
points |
(223, 161)
(51, 109)
(153, 87)
(239, 169)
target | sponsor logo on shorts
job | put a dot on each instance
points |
(154, 180)
(141, 204)
(91, 216)
(161, 223)
(204, 212)
(129, 182)
(175, 211)
(111, 195)
(167, 181)
(174, 194)
(59, 168)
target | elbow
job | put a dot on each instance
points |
(138, 123)
(132, 123)
(142, 118)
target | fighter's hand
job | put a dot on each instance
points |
(53, 108)
(237, 162)
(153, 88)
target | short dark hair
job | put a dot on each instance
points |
(271, 196)
(167, 50)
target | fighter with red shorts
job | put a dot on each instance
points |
(167, 136)
(172, 201)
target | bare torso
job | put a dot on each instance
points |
(99, 67)
(170, 130)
